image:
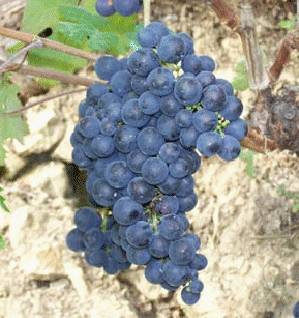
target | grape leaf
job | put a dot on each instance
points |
(2, 202)
(2, 242)
(287, 24)
(240, 81)
(10, 126)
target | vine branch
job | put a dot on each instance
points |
(29, 38)
(50, 74)
(41, 101)
(257, 142)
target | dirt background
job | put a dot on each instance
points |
(249, 232)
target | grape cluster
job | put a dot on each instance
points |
(125, 8)
(296, 310)
(137, 138)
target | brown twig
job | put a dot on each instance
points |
(41, 101)
(28, 38)
(288, 44)
(226, 14)
(257, 142)
(51, 74)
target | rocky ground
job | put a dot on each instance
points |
(249, 232)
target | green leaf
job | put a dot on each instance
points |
(2, 243)
(287, 24)
(2, 202)
(10, 126)
(240, 81)
(247, 156)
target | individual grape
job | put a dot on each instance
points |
(91, 178)
(139, 85)
(226, 85)
(170, 185)
(196, 161)
(188, 43)
(125, 138)
(214, 98)
(79, 157)
(237, 128)
(88, 150)
(74, 241)
(142, 62)
(110, 266)
(150, 36)
(126, 7)
(154, 170)
(132, 114)
(97, 258)
(185, 187)
(230, 148)
(104, 194)
(105, 8)
(188, 90)
(76, 138)
(188, 297)
(199, 262)
(138, 235)
(107, 99)
(160, 81)
(206, 78)
(170, 105)
(107, 126)
(94, 92)
(167, 205)
(117, 174)
(296, 310)
(158, 246)
(149, 103)
(183, 221)
(195, 286)
(103, 146)
(189, 136)
(183, 118)
(167, 128)
(182, 251)
(194, 239)
(169, 152)
(233, 108)
(135, 160)
(175, 275)
(204, 120)
(118, 254)
(209, 143)
(149, 141)
(127, 212)
(188, 203)
(138, 256)
(121, 83)
(191, 63)
(89, 127)
(207, 63)
(86, 218)
(93, 239)
(170, 227)
(171, 48)
(106, 67)
(153, 272)
(141, 191)
(82, 108)
(115, 235)
(168, 287)
(179, 169)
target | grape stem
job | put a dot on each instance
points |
(42, 101)
(51, 74)
(29, 38)
(257, 142)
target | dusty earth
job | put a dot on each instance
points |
(249, 232)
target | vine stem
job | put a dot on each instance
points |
(147, 12)
(41, 101)
(50, 74)
(29, 38)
